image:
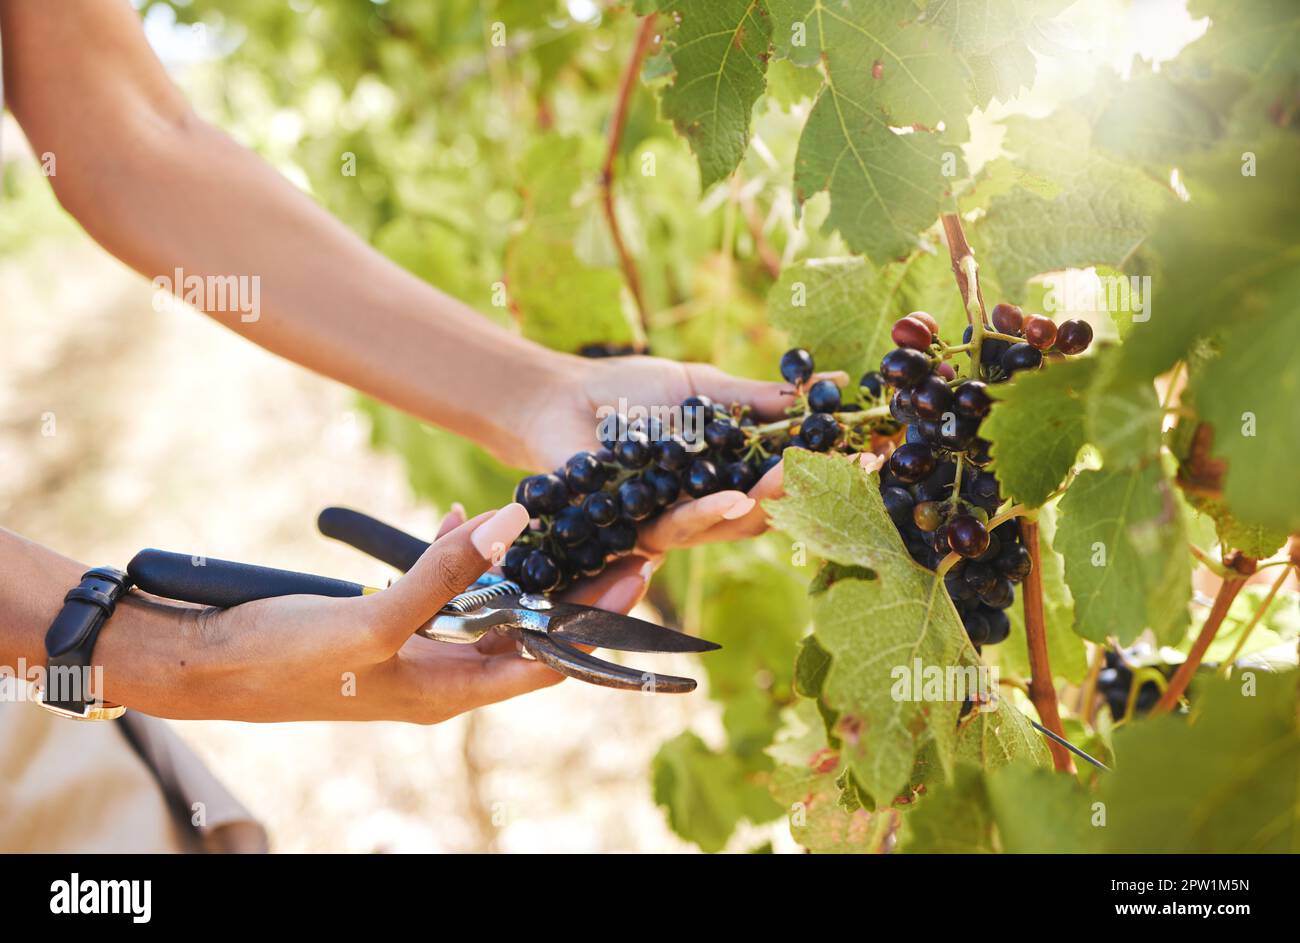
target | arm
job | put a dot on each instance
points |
(298, 657)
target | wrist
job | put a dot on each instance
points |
(144, 653)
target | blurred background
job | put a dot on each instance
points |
(464, 139)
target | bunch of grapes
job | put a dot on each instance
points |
(939, 486)
(587, 513)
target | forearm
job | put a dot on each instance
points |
(162, 191)
(140, 648)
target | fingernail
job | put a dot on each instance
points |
(457, 508)
(738, 508)
(499, 530)
(647, 571)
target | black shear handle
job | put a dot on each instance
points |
(224, 584)
(372, 537)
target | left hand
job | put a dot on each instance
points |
(564, 422)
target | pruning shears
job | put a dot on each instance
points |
(547, 629)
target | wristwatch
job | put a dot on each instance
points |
(70, 643)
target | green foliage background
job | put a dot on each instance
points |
(477, 129)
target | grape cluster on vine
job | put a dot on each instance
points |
(587, 512)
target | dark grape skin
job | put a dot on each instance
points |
(737, 476)
(618, 538)
(1073, 336)
(957, 586)
(910, 332)
(584, 473)
(967, 535)
(1040, 331)
(900, 407)
(671, 455)
(1000, 596)
(999, 625)
(972, 399)
(588, 558)
(539, 573)
(873, 383)
(819, 432)
(898, 504)
(1014, 562)
(931, 398)
(1021, 357)
(723, 436)
(701, 478)
(512, 563)
(633, 450)
(981, 576)
(637, 499)
(903, 367)
(666, 485)
(824, 397)
(542, 494)
(911, 463)
(976, 624)
(796, 366)
(572, 526)
(601, 508)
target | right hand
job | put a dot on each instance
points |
(317, 658)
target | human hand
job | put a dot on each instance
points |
(317, 658)
(564, 421)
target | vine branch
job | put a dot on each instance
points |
(645, 38)
(1041, 689)
(959, 250)
(1243, 567)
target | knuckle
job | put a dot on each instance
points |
(455, 569)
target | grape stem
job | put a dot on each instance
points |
(1242, 567)
(1042, 690)
(848, 419)
(645, 38)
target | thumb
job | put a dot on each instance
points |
(451, 564)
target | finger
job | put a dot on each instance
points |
(681, 524)
(750, 524)
(450, 564)
(769, 400)
(455, 517)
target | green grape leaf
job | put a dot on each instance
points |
(1037, 428)
(843, 309)
(951, 819)
(1100, 213)
(719, 50)
(1261, 40)
(1041, 812)
(1123, 540)
(1155, 119)
(1122, 416)
(706, 794)
(1248, 394)
(834, 506)
(998, 736)
(1229, 782)
(883, 70)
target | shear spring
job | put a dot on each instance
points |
(468, 602)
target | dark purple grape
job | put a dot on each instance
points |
(701, 478)
(976, 624)
(601, 508)
(873, 383)
(1073, 337)
(903, 367)
(1000, 596)
(1021, 357)
(671, 454)
(637, 498)
(588, 558)
(618, 538)
(796, 366)
(667, 486)
(722, 435)
(542, 494)
(539, 573)
(633, 450)
(898, 504)
(819, 432)
(824, 397)
(737, 476)
(584, 473)
(512, 563)
(900, 407)
(1008, 318)
(911, 463)
(981, 576)
(999, 626)
(957, 586)
(767, 464)
(967, 535)
(972, 399)
(931, 398)
(991, 351)
(1014, 562)
(572, 526)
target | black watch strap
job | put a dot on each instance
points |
(70, 643)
